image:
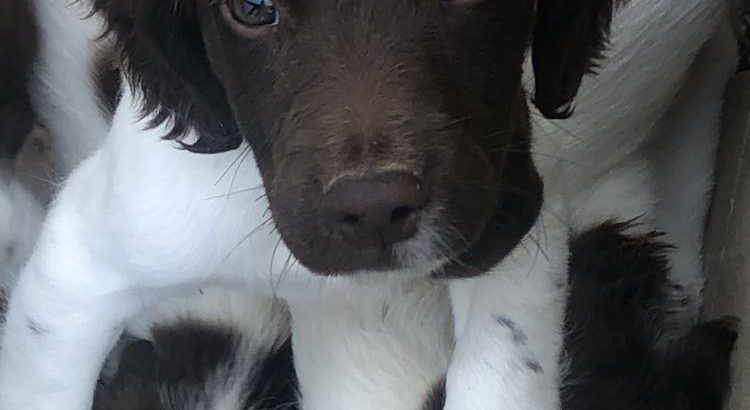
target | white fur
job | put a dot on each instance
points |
(683, 158)
(371, 348)
(141, 221)
(20, 221)
(65, 100)
(491, 367)
(108, 252)
(63, 89)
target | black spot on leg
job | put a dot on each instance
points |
(3, 304)
(435, 397)
(519, 337)
(35, 327)
(9, 251)
(533, 365)
(503, 321)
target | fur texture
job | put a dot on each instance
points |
(198, 360)
(621, 304)
(615, 351)
(63, 86)
(141, 220)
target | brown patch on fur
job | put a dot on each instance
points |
(186, 365)
(107, 79)
(569, 38)
(435, 397)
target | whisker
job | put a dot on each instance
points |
(48, 181)
(501, 132)
(556, 124)
(239, 191)
(226, 171)
(559, 218)
(455, 122)
(548, 155)
(508, 148)
(288, 263)
(244, 238)
(270, 267)
(539, 251)
(454, 232)
(543, 227)
(237, 169)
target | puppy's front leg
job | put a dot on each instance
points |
(66, 310)
(509, 328)
(58, 332)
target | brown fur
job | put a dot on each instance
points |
(353, 88)
(17, 50)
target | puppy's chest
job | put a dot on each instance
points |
(166, 212)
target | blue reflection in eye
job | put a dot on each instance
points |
(255, 13)
(259, 3)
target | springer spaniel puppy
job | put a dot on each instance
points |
(328, 150)
(204, 353)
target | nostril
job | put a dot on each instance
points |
(401, 214)
(377, 210)
(350, 220)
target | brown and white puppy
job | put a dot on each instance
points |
(355, 144)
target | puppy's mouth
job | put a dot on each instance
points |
(517, 209)
(515, 213)
(394, 222)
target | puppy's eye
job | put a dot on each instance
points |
(254, 13)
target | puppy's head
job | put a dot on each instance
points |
(389, 133)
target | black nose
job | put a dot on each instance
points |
(376, 211)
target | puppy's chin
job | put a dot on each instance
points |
(419, 256)
(429, 249)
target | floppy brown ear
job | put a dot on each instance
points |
(569, 37)
(162, 46)
(17, 50)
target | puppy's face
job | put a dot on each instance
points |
(381, 127)
(390, 134)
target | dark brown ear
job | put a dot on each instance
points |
(17, 50)
(162, 47)
(569, 37)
